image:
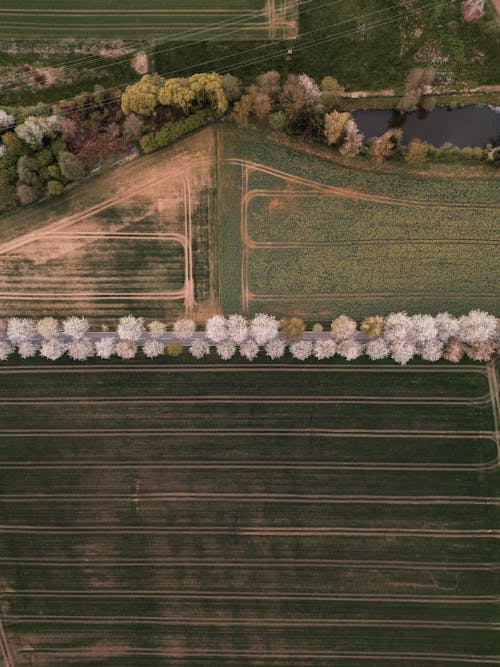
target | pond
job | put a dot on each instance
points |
(475, 125)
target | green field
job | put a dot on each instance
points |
(301, 234)
(212, 515)
(165, 19)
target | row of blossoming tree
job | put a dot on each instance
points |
(398, 336)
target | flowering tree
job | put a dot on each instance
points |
(350, 349)
(482, 351)
(52, 349)
(431, 350)
(264, 328)
(20, 329)
(130, 328)
(353, 139)
(301, 349)
(447, 326)
(377, 349)
(216, 328)
(343, 327)
(324, 348)
(6, 349)
(398, 328)
(237, 328)
(27, 349)
(126, 349)
(275, 349)
(153, 348)
(6, 119)
(105, 347)
(402, 351)
(249, 349)
(48, 327)
(184, 328)
(424, 329)
(477, 327)
(156, 328)
(199, 349)
(226, 349)
(81, 349)
(76, 327)
(453, 350)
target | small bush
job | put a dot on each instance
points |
(70, 166)
(55, 188)
(174, 349)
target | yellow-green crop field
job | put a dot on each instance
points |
(303, 235)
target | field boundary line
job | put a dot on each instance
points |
(343, 499)
(223, 400)
(246, 431)
(273, 465)
(466, 658)
(248, 531)
(179, 621)
(256, 595)
(244, 563)
(250, 368)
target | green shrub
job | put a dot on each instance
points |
(174, 349)
(25, 194)
(277, 121)
(172, 131)
(7, 191)
(70, 166)
(54, 171)
(55, 187)
(44, 157)
(57, 146)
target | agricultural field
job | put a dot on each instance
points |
(303, 235)
(266, 514)
(102, 19)
(136, 239)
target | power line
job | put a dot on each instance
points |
(195, 33)
(266, 56)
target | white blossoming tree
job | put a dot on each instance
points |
(20, 329)
(153, 348)
(431, 350)
(324, 348)
(27, 349)
(447, 326)
(424, 329)
(226, 349)
(48, 327)
(6, 119)
(81, 349)
(105, 347)
(52, 349)
(156, 328)
(6, 349)
(199, 349)
(275, 349)
(377, 349)
(216, 328)
(126, 349)
(249, 349)
(350, 349)
(264, 328)
(343, 327)
(76, 327)
(184, 329)
(403, 351)
(301, 349)
(237, 328)
(476, 327)
(130, 328)
(398, 328)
